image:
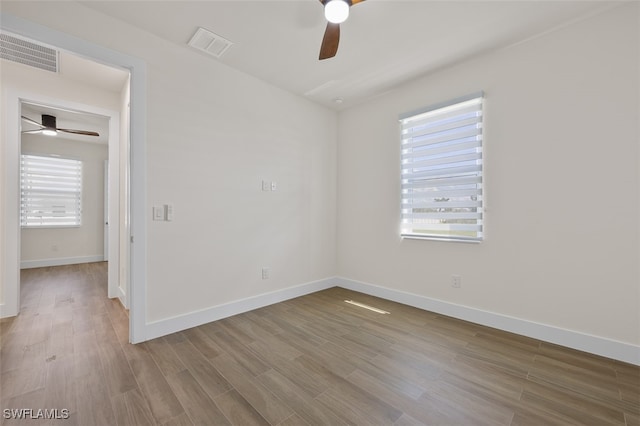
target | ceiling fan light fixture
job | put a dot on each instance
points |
(49, 132)
(336, 11)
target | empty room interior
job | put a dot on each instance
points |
(258, 212)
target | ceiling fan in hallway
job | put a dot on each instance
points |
(49, 127)
(336, 12)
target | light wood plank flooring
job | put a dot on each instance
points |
(314, 360)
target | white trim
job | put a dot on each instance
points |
(194, 319)
(443, 104)
(7, 311)
(573, 339)
(105, 210)
(41, 263)
(12, 103)
(122, 297)
(137, 290)
(138, 196)
(113, 196)
(11, 221)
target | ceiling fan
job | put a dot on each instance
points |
(336, 11)
(48, 127)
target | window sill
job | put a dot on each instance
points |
(443, 239)
(51, 227)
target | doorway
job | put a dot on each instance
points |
(56, 98)
(134, 167)
(65, 190)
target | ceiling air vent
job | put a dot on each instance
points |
(28, 53)
(209, 42)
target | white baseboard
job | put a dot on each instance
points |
(6, 312)
(573, 339)
(122, 297)
(28, 264)
(194, 319)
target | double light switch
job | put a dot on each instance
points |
(163, 213)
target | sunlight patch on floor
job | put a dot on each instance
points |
(371, 308)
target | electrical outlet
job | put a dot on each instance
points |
(456, 281)
(54, 248)
(274, 186)
(265, 273)
(266, 186)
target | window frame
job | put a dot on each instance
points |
(467, 214)
(76, 192)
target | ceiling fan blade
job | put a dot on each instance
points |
(32, 131)
(330, 41)
(79, 132)
(28, 120)
(352, 2)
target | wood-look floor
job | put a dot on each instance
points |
(312, 360)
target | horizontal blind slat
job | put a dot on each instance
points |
(428, 133)
(461, 145)
(460, 136)
(444, 161)
(443, 215)
(420, 204)
(451, 171)
(442, 226)
(439, 115)
(446, 193)
(436, 183)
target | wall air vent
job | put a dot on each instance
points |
(209, 42)
(27, 52)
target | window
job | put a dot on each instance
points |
(442, 171)
(51, 190)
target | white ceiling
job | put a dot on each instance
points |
(384, 42)
(76, 68)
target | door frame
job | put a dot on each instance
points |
(111, 237)
(136, 165)
(105, 210)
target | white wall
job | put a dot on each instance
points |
(213, 135)
(69, 245)
(562, 184)
(210, 145)
(32, 84)
(562, 127)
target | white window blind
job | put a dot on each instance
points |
(51, 191)
(442, 171)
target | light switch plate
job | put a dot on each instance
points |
(158, 213)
